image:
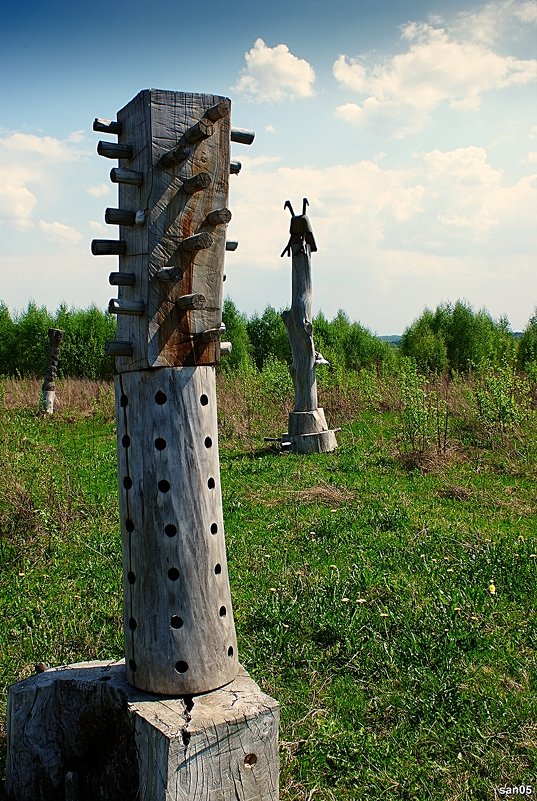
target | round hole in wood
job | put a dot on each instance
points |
(230, 651)
(131, 578)
(163, 485)
(127, 482)
(129, 525)
(176, 622)
(173, 574)
(222, 611)
(208, 442)
(123, 401)
(132, 665)
(214, 528)
(170, 530)
(204, 400)
(160, 443)
(133, 625)
(125, 440)
(181, 666)
(217, 569)
(211, 483)
(250, 759)
(161, 398)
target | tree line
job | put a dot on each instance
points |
(453, 337)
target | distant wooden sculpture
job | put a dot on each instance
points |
(48, 390)
(308, 430)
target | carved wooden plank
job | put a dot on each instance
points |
(164, 336)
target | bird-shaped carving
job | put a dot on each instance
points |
(300, 230)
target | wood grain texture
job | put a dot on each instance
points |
(299, 329)
(179, 630)
(154, 124)
(83, 728)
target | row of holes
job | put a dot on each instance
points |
(181, 666)
(164, 485)
(169, 529)
(160, 443)
(160, 399)
(173, 575)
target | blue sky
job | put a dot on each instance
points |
(411, 128)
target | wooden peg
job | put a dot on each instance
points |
(220, 110)
(212, 335)
(232, 244)
(202, 180)
(118, 175)
(235, 167)
(191, 302)
(179, 154)
(132, 307)
(119, 217)
(108, 247)
(200, 131)
(225, 347)
(119, 348)
(197, 242)
(107, 126)
(122, 279)
(111, 150)
(242, 136)
(218, 217)
(170, 274)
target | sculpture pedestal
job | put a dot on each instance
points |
(82, 733)
(309, 433)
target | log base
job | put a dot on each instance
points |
(81, 732)
(309, 433)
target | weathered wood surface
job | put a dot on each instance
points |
(299, 329)
(81, 733)
(48, 390)
(179, 630)
(308, 431)
(178, 194)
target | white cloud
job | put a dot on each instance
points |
(274, 73)
(532, 157)
(43, 146)
(98, 190)
(61, 233)
(17, 202)
(438, 66)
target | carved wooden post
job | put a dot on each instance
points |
(48, 390)
(308, 431)
(180, 642)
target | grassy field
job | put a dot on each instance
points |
(384, 594)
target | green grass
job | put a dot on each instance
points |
(361, 587)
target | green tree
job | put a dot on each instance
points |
(236, 324)
(527, 347)
(268, 337)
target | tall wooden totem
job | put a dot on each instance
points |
(173, 175)
(180, 720)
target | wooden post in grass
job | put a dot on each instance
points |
(180, 642)
(308, 431)
(48, 390)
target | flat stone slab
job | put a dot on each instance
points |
(82, 733)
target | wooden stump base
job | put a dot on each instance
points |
(309, 433)
(81, 732)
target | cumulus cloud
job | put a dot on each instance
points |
(448, 224)
(99, 190)
(438, 66)
(17, 202)
(61, 233)
(274, 73)
(43, 146)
